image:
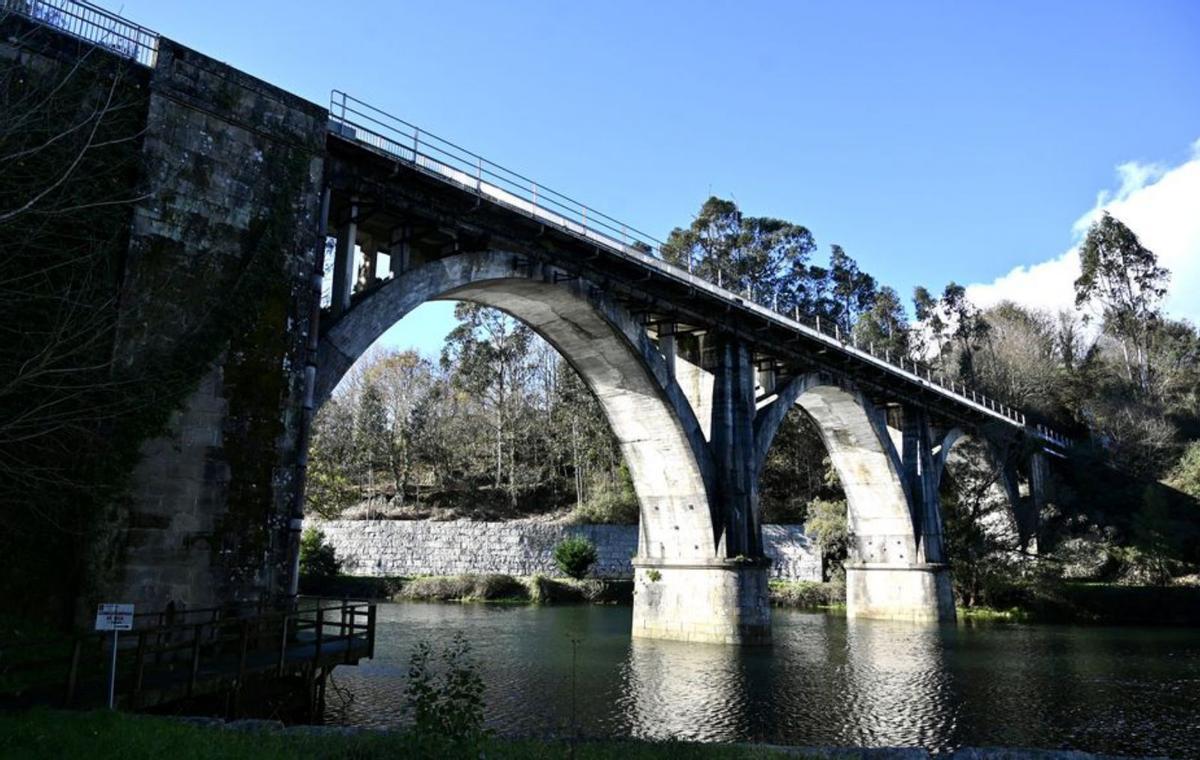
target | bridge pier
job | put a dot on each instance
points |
(718, 601)
(899, 591)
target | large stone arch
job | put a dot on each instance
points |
(659, 434)
(895, 567)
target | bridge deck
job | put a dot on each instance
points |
(400, 143)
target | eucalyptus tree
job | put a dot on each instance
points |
(763, 257)
(952, 329)
(883, 327)
(1121, 279)
(851, 291)
(487, 354)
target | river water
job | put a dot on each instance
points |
(824, 681)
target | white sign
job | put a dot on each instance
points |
(114, 617)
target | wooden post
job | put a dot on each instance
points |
(73, 673)
(243, 646)
(139, 669)
(195, 658)
(320, 636)
(283, 644)
(349, 631)
(370, 631)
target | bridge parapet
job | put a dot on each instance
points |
(93, 24)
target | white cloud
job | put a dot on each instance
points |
(1161, 205)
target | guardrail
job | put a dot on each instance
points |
(360, 122)
(91, 23)
(178, 657)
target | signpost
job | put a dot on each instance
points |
(115, 618)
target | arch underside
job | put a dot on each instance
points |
(879, 516)
(974, 465)
(659, 436)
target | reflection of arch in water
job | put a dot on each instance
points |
(659, 435)
(898, 687)
(679, 691)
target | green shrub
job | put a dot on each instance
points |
(827, 523)
(609, 506)
(806, 594)
(466, 588)
(448, 705)
(317, 558)
(575, 556)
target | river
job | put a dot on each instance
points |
(824, 681)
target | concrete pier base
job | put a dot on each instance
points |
(714, 601)
(919, 592)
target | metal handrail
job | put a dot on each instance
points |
(93, 24)
(360, 122)
(194, 646)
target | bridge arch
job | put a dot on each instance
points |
(965, 457)
(895, 567)
(867, 464)
(659, 435)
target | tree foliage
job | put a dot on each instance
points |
(317, 557)
(762, 257)
(1122, 278)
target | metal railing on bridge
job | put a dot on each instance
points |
(90, 23)
(360, 122)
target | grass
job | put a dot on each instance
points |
(497, 588)
(807, 594)
(101, 735)
(982, 613)
(1091, 603)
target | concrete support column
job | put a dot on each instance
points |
(919, 592)
(765, 378)
(400, 251)
(666, 344)
(733, 451)
(915, 587)
(366, 268)
(720, 601)
(1029, 523)
(343, 264)
(922, 476)
(694, 380)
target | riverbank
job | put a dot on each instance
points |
(475, 587)
(1077, 603)
(1054, 602)
(1094, 604)
(102, 735)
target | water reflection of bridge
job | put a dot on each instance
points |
(889, 681)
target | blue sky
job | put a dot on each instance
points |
(934, 141)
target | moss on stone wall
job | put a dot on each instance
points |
(61, 263)
(213, 276)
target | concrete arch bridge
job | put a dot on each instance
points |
(694, 380)
(240, 177)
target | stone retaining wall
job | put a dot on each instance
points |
(417, 547)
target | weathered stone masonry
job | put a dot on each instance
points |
(218, 274)
(418, 547)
